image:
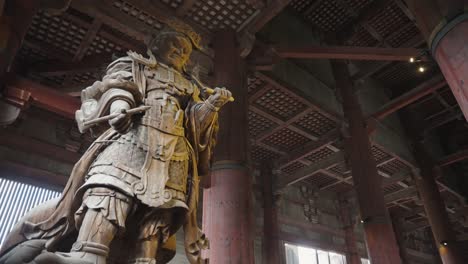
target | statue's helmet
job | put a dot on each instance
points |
(173, 26)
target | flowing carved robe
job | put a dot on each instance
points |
(127, 79)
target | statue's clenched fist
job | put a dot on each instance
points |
(219, 97)
(123, 121)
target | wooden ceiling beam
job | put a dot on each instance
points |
(443, 118)
(453, 158)
(303, 173)
(311, 147)
(416, 41)
(347, 53)
(43, 97)
(365, 14)
(413, 95)
(402, 194)
(16, 171)
(30, 145)
(362, 19)
(272, 9)
(57, 68)
(88, 39)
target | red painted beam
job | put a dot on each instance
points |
(410, 97)
(347, 53)
(22, 91)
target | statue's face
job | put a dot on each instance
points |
(174, 50)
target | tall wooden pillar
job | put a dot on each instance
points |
(445, 26)
(380, 239)
(271, 254)
(227, 208)
(352, 254)
(399, 234)
(429, 191)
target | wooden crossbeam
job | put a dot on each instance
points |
(272, 9)
(347, 53)
(405, 193)
(301, 174)
(452, 158)
(443, 118)
(308, 148)
(27, 144)
(364, 15)
(413, 95)
(88, 39)
(45, 97)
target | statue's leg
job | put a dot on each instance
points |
(154, 231)
(100, 218)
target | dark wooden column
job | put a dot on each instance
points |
(14, 22)
(352, 254)
(227, 210)
(380, 238)
(429, 191)
(445, 26)
(398, 227)
(271, 248)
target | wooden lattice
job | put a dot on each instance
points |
(403, 35)
(316, 123)
(394, 166)
(141, 15)
(392, 188)
(321, 154)
(260, 154)
(172, 3)
(221, 14)
(286, 139)
(280, 103)
(57, 32)
(293, 167)
(379, 154)
(320, 180)
(362, 38)
(389, 19)
(253, 84)
(258, 124)
(328, 16)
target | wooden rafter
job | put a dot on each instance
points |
(427, 87)
(348, 53)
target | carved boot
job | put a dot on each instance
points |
(143, 261)
(86, 252)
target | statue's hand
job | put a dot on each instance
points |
(219, 97)
(123, 121)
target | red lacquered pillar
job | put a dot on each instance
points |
(227, 208)
(445, 27)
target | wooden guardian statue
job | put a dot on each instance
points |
(137, 184)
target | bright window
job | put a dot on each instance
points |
(304, 255)
(365, 261)
(16, 199)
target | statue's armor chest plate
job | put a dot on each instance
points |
(157, 169)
